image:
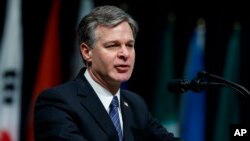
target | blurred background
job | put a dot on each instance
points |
(176, 39)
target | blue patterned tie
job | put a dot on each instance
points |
(114, 115)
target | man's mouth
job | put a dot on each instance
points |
(122, 68)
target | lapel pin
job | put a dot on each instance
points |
(126, 104)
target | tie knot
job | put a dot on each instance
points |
(114, 102)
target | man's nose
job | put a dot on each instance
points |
(124, 52)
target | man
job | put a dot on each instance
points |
(93, 107)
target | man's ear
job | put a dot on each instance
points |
(86, 52)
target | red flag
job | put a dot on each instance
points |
(49, 69)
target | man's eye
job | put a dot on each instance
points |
(111, 46)
(130, 45)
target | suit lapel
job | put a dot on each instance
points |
(92, 103)
(127, 118)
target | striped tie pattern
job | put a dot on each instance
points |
(114, 115)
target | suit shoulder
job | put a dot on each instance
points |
(133, 97)
(60, 90)
(131, 94)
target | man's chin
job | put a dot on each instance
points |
(121, 80)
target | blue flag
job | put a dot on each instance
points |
(193, 104)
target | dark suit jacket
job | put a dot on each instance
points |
(73, 112)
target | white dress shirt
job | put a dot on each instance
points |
(104, 95)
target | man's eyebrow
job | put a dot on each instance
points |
(115, 42)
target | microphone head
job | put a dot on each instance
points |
(202, 74)
(177, 85)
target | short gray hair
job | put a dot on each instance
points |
(103, 15)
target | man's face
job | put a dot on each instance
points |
(113, 56)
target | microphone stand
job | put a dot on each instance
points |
(203, 77)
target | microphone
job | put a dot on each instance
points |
(183, 85)
(204, 80)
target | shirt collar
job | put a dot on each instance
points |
(104, 95)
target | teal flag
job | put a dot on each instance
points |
(228, 106)
(193, 105)
(165, 103)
